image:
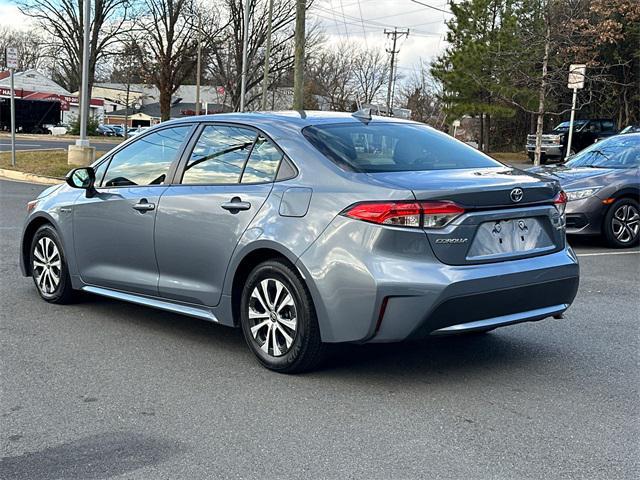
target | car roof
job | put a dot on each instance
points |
(300, 119)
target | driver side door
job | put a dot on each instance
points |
(113, 230)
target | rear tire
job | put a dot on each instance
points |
(621, 225)
(278, 319)
(49, 267)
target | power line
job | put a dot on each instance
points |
(432, 7)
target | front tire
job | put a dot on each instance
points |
(622, 223)
(49, 267)
(278, 319)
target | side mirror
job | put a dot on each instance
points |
(84, 178)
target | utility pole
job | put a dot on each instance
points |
(298, 63)
(267, 54)
(198, 65)
(394, 34)
(245, 46)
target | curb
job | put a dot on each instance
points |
(6, 174)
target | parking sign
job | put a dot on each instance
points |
(12, 57)
(576, 76)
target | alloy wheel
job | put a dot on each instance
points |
(626, 223)
(272, 317)
(47, 265)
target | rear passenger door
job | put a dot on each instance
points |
(223, 180)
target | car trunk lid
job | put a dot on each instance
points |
(509, 213)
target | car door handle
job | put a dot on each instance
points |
(235, 205)
(144, 206)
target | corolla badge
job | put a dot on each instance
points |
(516, 195)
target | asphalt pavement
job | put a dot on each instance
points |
(104, 389)
(40, 142)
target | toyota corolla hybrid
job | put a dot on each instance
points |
(306, 229)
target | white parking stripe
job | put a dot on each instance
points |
(598, 254)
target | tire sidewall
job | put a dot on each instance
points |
(608, 227)
(63, 285)
(303, 314)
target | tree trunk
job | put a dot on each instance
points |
(165, 103)
(542, 94)
(487, 131)
(481, 139)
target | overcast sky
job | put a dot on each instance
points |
(361, 21)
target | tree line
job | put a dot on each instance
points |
(507, 63)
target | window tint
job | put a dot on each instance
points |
(219, 155)
(147, 160)
(263, 162)
(390, 147)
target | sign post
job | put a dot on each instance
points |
(456, 124)
(576, 81)
(12, 63)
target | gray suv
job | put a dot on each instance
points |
(306, 229)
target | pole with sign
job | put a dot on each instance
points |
(576, 81)
(12, 63)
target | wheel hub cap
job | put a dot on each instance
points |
(272, 317)
(47, 265)
(626, 223)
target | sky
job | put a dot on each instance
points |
(359, 21)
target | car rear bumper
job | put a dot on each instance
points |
(369, 287)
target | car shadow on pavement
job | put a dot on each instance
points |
(433, 356)
(97, 456)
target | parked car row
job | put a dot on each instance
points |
(118, 130)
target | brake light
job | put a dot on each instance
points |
(435, 214)
(561, 202)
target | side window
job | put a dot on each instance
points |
(607, 126)
(147, 160)
(219, 155)
(594, 126)
(100, 169)
(263, 162)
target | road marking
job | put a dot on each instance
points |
(598, 254)
(20, 145)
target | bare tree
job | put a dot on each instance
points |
(331, 74)
(370, 70)
(421, 94)
(30, 44)
(63, 20)
(225, 66)
(167, 46)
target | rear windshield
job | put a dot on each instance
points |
(393, 147)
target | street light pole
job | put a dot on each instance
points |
(245, 46)
(85, 95)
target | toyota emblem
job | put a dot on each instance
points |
(516, 195)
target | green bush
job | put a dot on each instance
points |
(92, 126)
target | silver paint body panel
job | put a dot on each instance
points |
(183, 256)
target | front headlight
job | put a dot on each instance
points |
(573, 195)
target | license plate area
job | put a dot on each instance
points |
(504, 238)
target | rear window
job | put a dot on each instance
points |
(393, 147)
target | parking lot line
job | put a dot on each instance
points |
(598, 254)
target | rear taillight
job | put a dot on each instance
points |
(561, 202)
(434, 214)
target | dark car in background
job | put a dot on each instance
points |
(585, 132)
(105, 131)
(603, 187)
